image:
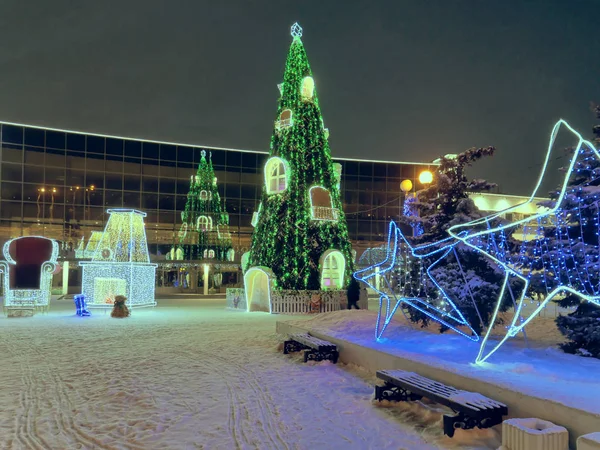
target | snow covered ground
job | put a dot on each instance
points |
(535, 366)
(191, 375)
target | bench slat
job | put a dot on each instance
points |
(469, 402)
(313, 342)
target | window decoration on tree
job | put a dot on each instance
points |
(205, 223)
(286, 120)
(308, 87)
(321, 204)
(287, 239)
(332, 270)
(563, 259)
(276, 177)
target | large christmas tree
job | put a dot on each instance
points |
(204, 233)
(301, 233)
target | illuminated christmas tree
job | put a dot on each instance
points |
(204, 233)
(300, 233)
(575, 247)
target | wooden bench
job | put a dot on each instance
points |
(472, 409)
(316, 349)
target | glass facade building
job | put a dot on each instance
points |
(59, 184)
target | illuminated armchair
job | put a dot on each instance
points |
(30, 263)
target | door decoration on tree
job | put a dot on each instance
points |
(295, 228)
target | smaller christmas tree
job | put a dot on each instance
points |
(581, 213)
(204, 233)
(469, 279)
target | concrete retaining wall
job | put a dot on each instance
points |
(578, 422)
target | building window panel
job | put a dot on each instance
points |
(12, 154)
(12, 172)
(150, 150)
(168, 152)
(10, 210)
(11, 191)
(114, 147)
(34, 136)
(133, 149)
(12, 134)
(76, 142)
(95, 144)
(55, 139)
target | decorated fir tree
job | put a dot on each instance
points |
(204, 233)
(469, 278)
(574, 247)
(300, 231)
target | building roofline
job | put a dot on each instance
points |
(524, 197)
(181, 144)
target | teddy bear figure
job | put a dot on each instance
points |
(120, 310)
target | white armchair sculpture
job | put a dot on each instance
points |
(30, 263)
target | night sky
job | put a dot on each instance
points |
(397, 80)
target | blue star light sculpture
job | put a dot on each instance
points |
(444, 312)
(557, 263)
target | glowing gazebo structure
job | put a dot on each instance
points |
(120, 264)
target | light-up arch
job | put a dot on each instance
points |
(333, 265)
(258, 284)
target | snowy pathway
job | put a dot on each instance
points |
(186, 375)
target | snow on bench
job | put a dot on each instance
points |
(316, 349)
(472, 408)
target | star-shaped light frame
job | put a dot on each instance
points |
(466, 234)
(296, 31)
(454, 319)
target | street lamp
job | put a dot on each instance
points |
(426, 177)
(405, 186)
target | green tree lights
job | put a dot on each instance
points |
(204, 233)
(297, 225)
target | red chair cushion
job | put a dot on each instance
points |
(29, 253)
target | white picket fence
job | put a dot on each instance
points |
(307, 302)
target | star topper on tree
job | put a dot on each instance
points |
(296, 31)
(416, 295)
(553, 264)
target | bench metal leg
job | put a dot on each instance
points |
(315, 355)
(395, 393)
(465, 422)
(292, 346)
